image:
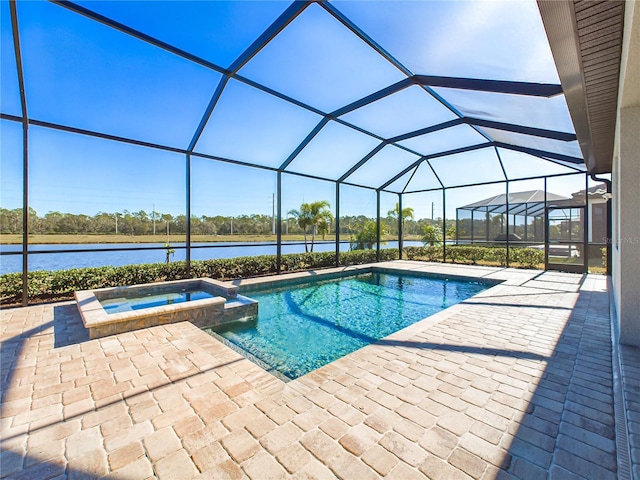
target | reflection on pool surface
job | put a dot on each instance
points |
(303, 327)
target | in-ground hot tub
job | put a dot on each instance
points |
(203, 302)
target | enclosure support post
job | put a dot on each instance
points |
(457, 226)
(444, 225)
(546, 227)
(279, 223)
(400, 232)
(337, 224)
(585, 225)
(507, 207)
(487, 217)
(607, 182)
(472, 220)
(25, 155)
(25, 214)
(378, 225)
(188, 219)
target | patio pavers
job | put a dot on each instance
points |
(513, 383)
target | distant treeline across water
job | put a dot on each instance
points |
(149, 223)
(113, 254)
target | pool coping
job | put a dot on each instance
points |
(338, 272)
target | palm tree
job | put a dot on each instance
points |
(315, 215)
(303, 221)
(406, 213)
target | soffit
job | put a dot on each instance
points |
(586, 42)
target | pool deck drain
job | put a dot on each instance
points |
(513, 383)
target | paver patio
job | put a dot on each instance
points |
(516, 382)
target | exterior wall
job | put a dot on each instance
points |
(626, 185)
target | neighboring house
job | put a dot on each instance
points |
(485, 220)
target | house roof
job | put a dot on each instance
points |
(530, 202)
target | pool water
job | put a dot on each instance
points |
(303, 327)
(126, 304)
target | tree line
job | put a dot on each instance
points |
(148, 223)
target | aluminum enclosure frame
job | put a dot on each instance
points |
(425, 82)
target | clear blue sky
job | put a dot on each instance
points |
(84, 74)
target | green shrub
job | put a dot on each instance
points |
(466, 253)
(412, 253)
(453, 253)
(526, 257)
(428, 253)
(433, 254)
(474, 254)
(497, 254)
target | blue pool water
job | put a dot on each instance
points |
(126, 304)
(303, 327)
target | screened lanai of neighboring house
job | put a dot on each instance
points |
(486, 220)
(205, 108)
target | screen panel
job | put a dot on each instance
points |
(388, 224)
(468, 168)
(9, 88)
(444, 140)
(100, 79)
(333, 152)
(521, 165)
(427, 227)
(398, 185)
(477, 215)
(313, 55)
(297, 191)
(232, 203)
(526, 213)
(256, 127)
(571, 149)
(84, 185)
(503, 40)
(539, 112)
(358, 213)
(216, 31)
(423, 179)
(405, 111)
(11, 190)
(381, 167)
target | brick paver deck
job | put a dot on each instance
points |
(513, 383)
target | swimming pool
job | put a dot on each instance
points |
(303, 326)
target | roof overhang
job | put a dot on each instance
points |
(586, 41)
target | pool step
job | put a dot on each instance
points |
(240, 308)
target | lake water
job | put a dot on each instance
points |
(116, 254)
